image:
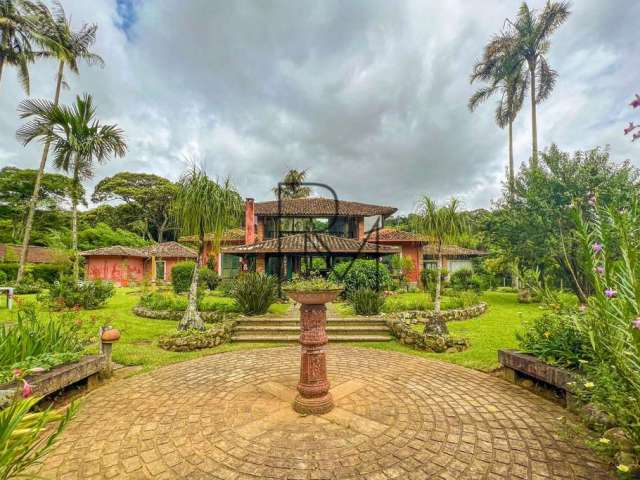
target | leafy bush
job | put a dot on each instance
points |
(366, 301)
(3, 278)
(404, 302)
(428, 279)
(465, 279)
(10, 270)
(208, 278)
(469, 298)
(47, 272)
(254, 292)
(88, 295)
(312, 284)
(177, 303)
(27, 436)
(361, 274)
(181, 275)
(225, 287)
(102, 235)
(555, 339)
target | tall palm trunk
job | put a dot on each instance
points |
(191, 317)
(36, 187)
(1, 68)
(5, 41)
(74, 222)
(436, 300)
(534, 121)
(511, 173)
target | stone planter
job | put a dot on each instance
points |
(421, 316)
(190, 342)
(208, 317)
(519, 365)
(402, 331)
(313, 387)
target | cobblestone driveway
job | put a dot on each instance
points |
(227, 416)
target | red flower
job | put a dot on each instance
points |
(27, 391)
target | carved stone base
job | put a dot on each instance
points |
(313, 406)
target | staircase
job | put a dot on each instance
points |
(287, 329)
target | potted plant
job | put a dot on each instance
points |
(313, 387)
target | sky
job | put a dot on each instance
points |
(369, 96)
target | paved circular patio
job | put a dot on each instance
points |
(228, 416)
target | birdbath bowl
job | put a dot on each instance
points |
(313, 387)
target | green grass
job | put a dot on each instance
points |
(487, 333)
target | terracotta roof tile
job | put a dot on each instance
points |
(169, 249)
(312, 243)
(453, 251)
(115, 251)
(314, 206)
(394, 235)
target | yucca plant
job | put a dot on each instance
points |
(254, 292)
(25, 437)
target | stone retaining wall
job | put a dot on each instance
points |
(401, 329)
(422, 316)
(209, 317)
(190, 341)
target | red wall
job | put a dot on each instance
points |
(414, 252)
(119, 270)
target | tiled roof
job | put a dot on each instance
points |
(169, 249)
(453, 251)
(34, 254)
(312, 243)
(314, 206)
(393, 235)
(163, 250)
(233, 235)
(115, 251)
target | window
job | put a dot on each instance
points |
(430, 264)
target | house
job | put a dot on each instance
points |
(122, 265)
(280, 235)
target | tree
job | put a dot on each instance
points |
(16, 186)
(151, 195)
(529, 37)
(502, 69)
(203, 207)
(15, 39)
(54, 33)
(79, 140)
(533, 226)
(443, 225)
(102, 235)
(291, 185)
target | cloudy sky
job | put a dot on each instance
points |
(369, 96)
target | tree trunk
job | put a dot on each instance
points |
(161, 229)
(191, 318)
(36, 188)
(511, 172)
(534, 121)
(74, 224)
(1, 68)
(436, 300)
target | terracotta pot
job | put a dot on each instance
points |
(109, 336)
(314, 298)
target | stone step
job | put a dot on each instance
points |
(295, 329)
(294, 338)
(365, 321)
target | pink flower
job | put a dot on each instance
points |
(636, 323)
(596, 247)
(630, 128)
(635, 103)
(610, 293)
(27, 391)
(600, 269)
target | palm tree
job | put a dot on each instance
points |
(55, 35)
(291, 185)
(529, 36)
(502, 70)
(15, 39)
(79, 140)
(443, 225)
(203, 206)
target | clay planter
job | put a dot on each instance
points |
(110, 336)
(313, 388)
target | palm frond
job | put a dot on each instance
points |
(545, 78)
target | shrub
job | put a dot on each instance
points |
(208, 278)
(469, 298)
(428, 279)
(10, 270)
(451, 303)
(555, 339)
(400, 303)
(366, 301)
(225, 287)
(3, 278)
(88, 295)
(361, 274)
(181, 275)
(47, 272)
(254, 292)
(166, 301)
(465, 279)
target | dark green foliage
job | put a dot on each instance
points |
(366, 301)
(181, 275)
(361, 274)
(208, 278)
(226, 287)
(3, 278)
(176, 303)
(254, 292)
(88, 295)
(47, 272)
(102, 235)
(555, 339)
(10, 270)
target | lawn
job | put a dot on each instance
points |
(487, 333)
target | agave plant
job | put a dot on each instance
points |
(25, 437)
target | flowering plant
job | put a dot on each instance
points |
(632, 128)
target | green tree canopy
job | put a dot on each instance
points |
(150, 195)
(102, 235)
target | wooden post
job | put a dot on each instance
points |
(154, 274)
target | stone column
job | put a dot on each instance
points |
(313, 387)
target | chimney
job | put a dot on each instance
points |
(249, 222)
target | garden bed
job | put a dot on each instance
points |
(405, 334)
(209, 317)
(190, 340)
(421, 316)
(58, 377)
